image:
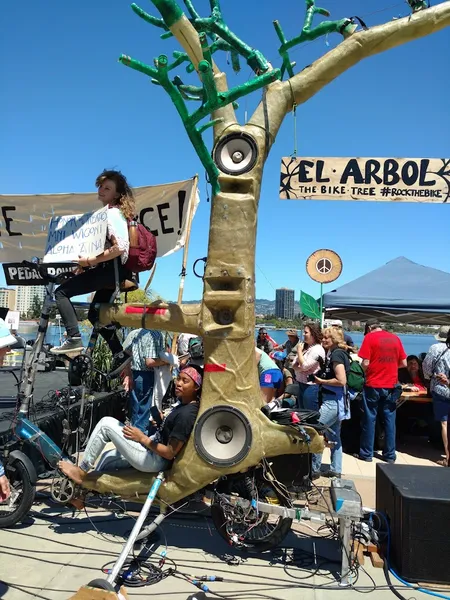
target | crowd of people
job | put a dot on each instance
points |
(315, 372)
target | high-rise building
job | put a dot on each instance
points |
(25, 295)
(8, 298)
(284, 303)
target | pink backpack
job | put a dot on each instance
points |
(142, 253)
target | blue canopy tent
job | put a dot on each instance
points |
(400, 291)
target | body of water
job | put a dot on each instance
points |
(54, 336)
(413, 344)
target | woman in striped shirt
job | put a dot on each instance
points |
(309, 361)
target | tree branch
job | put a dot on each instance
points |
(280, 97)
(155, 315)
(188, 38)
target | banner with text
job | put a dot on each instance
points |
(24, 220)
(374, 179)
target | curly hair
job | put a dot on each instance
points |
(315, 329)
(126, 201)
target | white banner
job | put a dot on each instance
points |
(76, 235)
(24, 220)
(379, 179)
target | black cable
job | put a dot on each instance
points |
(389, 582)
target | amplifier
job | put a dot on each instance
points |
(416, 501)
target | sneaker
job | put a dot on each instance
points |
(333, 474)
(362, 458)
(316, 475)
(119, 361)
(72, 344)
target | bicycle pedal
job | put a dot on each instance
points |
(78, 503)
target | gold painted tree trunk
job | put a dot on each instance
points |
(225, 319)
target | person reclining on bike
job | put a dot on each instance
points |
(149, 454)
(97, 273)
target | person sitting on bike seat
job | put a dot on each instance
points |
(149, 454)
(97, 273)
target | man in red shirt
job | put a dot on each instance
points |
(383, 354)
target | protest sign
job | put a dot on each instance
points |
(12, 320)
(24, 219)
(72, 236)
(373, 179)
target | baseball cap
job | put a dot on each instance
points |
(279, 355)
(442, 333)
(335, 323)
(372, 322)
(292, 332)
(6, 339)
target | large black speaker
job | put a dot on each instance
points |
(223, 436)
(416, 501)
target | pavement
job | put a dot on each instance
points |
(56, 551)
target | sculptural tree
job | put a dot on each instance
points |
(225, 317)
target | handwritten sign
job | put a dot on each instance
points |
(24, 219)
(73, 236)
(374, 179)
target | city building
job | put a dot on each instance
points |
(284, 303)
(25, 295)
(8, 298)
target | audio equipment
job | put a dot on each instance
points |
(236, 153)
(416, 502)
(293, 471)
(223, 436)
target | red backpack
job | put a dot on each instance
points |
(142, 253)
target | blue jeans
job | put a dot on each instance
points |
(128, 453)
(308, 394)
(141, 397)
(375, 400)
(329, 417)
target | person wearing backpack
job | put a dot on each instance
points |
(97, 273)
(436, 368)
(332, 401)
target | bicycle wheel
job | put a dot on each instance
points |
(22, 494)
(101, 584)
(246, 528)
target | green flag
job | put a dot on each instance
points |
(309, 306)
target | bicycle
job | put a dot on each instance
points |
(18, 467)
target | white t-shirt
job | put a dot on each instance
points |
(183, 342)
(117, 227)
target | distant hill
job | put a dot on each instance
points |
(262, 306)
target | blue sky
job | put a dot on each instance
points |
(69, 109)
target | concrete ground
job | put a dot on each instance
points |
(56, 551)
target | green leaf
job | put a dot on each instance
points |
(309, 306)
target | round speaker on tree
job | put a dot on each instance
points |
(236, 153)
(223, 436)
